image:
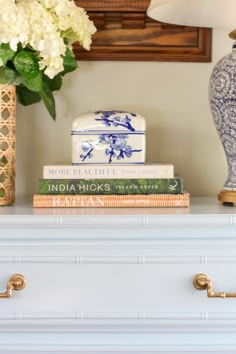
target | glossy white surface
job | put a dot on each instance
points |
(92, 121)
(117, 144)
(113, 137)
(118, 280)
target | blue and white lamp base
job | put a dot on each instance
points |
(222, 93)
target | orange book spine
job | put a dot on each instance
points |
(111, 201)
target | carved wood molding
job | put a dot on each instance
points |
(126, 33)
(114, 5)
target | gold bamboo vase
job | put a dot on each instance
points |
(7, 144)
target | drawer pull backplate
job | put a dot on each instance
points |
(17, 282)
(202, 282)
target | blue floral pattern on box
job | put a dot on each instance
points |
(113, 119)
(110, 136)
(117, 147)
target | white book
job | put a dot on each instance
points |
(155, 170)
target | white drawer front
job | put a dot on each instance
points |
(109, 283)
(117, 290)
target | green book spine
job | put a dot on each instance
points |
(110, 186)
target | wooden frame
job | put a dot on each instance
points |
(126, 33)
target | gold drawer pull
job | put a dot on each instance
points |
(17, 282)
(202, 282)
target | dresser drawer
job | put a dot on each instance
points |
(117, 281)
(116, 287)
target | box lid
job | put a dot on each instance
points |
(109, 121)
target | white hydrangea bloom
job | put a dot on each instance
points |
(53, 66)
(44, 25)
(12, 24)
(72, 21)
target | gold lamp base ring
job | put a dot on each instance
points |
(227, 197)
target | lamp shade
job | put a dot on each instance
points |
(199, 13)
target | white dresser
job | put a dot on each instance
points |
(118, 280)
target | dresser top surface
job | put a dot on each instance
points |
(198, 206)
(204, 216)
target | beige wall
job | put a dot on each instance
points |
(172, 96)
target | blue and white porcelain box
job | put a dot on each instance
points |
(111, 137)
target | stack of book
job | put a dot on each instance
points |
(92, 186)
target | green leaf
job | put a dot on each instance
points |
(16, 80)
(27, 97)
(6, 53)
(35, 83)
(3, 79)
(9, 76)
(69, 62)
(55, 83)
(48, 100)
(26, 64)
